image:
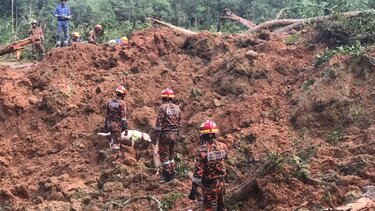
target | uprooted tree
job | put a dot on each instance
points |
(278, 25)
(227, 14)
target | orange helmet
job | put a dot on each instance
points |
(167, 93)
(208, 127)
(98, 27)
(121, 90)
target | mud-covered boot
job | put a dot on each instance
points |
(173, 176)
(165, 178)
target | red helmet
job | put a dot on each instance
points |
(121, 90)
(167, 93)
(208, 127)
(98, 27)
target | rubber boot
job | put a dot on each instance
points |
(166, 178)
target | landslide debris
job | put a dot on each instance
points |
(266, 96)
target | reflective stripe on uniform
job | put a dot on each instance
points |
(167, 162)
(216, 155)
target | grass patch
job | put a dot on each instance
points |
(334, 136)
(291, 39)
(168, 201)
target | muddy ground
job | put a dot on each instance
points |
(266, 96)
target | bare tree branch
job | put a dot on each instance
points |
(175, 28)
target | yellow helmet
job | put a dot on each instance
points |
(76, 34)
(124, 39)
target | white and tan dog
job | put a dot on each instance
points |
(133, 138)
(138, 140)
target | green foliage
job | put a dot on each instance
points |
(181, 166)
(307, 84)
(299, 170)
(356, 114)
(343, 31)
(334, 136)
(326, 56)
(354, 51)
(120, 17)
(274, 160)
(6, 31)
(306, 8)
(169, 200)
(291, 39)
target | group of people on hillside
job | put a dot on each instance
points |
(63, 16)
(209, 170)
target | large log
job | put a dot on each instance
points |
(307, 21)
(289, 24)
(175, 28)
(18, 45)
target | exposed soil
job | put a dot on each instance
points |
(265, 96)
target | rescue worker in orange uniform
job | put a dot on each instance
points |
(209, 171)
(92, 36)
(37, 46)
(115, 121)
(166, 130)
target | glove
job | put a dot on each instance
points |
(68, 17)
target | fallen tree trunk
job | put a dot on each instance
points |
(228, 14)
(241, 191)
(307, 21)
(289, 24)
(18, 45)
(175, 28)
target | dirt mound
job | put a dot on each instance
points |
(266, 96)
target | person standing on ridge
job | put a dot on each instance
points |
(166, 131)
(115, 121)
(62, 14)
(209, 170)
(92, 36)
(37, 46)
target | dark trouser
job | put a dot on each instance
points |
(62, 27)
(166, 151)
(213, 195)
(38, 48)
(115, 129)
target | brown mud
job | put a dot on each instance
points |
(265, 96)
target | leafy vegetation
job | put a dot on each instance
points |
(334, 136)
(181, 166)
(120, 17)
(353, 51)
(307, 84)
(299, 170)
(291, 39)
(168, 201)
